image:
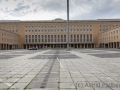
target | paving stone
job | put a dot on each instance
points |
(25, 80)
(19, 85)
(64, 80)
(4, 86)
(92, 65)
(11, 80)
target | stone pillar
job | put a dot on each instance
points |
(108, 45)
(103, 45)
(94, 45)
(3, 47)
(77, 45)
(116, 45)
(0, 46)
(53, 46)
(26, 46)
(84, 45)
(87, 45)
(119, 43)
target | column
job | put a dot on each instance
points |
(0, 46)
(119, 43)
(5, 46)
(103, 45)
(108, 45)
(94, 46)
(116, 45)
(84, 45)
(87, 45)
(77, 45)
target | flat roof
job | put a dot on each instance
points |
(56, 20)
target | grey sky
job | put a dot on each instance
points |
(51, 9)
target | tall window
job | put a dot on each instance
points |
(45, 38)
(42, 38)
(51, 38)
(61, 38)
(74, 37)
(35, 38)
(64, 38)
(58, 38)
(26, 38)
(84, 37)
(77, 37)
(38, 38)
(54, 38)
(71, 38)
(48, 38)
(90, 37)
(32, 38)
(29, 38)
(80, 37)
(87, 37)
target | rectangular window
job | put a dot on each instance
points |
(61, 38)
(48, 38)
(87, 37)
(45, 38)
(35, 38)
(74, 38)
(51, 38)
(84, 37)
(32, 38)
(38, 38)
(64, 38)
(58, 38)
(77, 37)
(90, 37)
(71, 38)
(42, 38)
(54, 38)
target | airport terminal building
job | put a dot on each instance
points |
(16, 34)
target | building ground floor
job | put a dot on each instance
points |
(110, 45)
(47, 46)
(43, 46)
(8, 46)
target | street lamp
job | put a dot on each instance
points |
(68, 44)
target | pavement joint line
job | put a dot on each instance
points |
(94, 75)
(60, 63)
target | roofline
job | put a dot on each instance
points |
(56, 20)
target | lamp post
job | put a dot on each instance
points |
(68, 44)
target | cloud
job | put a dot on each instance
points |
(51, 9)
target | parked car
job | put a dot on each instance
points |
(33, 48)
(119, 47)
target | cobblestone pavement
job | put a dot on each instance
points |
(78, 69)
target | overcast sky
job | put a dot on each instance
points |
(51, 9)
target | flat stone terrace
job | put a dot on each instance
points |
(78, 69)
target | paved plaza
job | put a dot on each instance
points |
(78, 69)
